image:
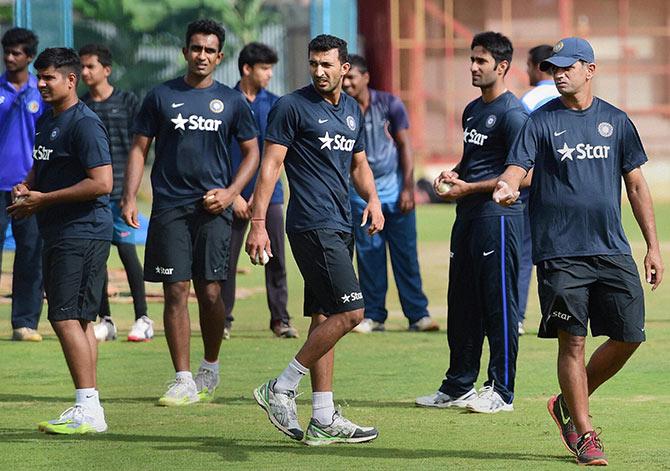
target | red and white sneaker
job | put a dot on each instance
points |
(590, 451)
(142, 330)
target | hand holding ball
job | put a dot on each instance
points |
(264, 259)
(444, 187)
(20, 199)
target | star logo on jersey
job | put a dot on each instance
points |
(345, 298)
(180, 122)
(327, 141)
(566, 152)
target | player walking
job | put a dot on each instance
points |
(193, 119)
(317, 133)
(580, 147)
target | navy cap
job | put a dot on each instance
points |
(568, 51)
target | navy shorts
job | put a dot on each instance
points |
(187, 242)
(603, 289)
(324, 257)
(74, 276)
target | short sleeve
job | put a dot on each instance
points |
(631, 145)
(359, 146)
(245, 124)
(283, 122)
(514, 121)
(524, 148)
(148, 118)
(398, 119)
(90, 143)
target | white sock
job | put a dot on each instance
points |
(290, 377)
(87, 398)
(184, 376)
(323, 407)
(210, 366)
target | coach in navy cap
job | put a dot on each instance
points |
(568, 51)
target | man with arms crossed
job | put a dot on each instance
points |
(317, 133)
(580, 147)
(390, 158)
(117, 110)
(255, 63)
(485, 242)
(193, 118)
(20, 107)
(68, 187)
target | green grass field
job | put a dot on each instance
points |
(377, 378)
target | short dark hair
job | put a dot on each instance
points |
(326, 42)
(21, 37)
(203, 26)
(256, 53)
(359, 62)
(100, 50)
(540, 53)
(60, 58)
(498, 45)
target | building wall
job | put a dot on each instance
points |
(428, 49)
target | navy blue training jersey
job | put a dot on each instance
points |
(579, 159)
(489, 129)
(193, 128)
(65, 147)
(321, 139)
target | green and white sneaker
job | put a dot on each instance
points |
(75, 421)
(206, 381)
(280, 408)
(180, 393)
(341, 430)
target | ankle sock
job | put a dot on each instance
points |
(290, 377)
(323, 407)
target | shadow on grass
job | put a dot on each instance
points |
(68, 399)
(241, 450)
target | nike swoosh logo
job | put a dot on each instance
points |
(177, 105)
(469, 118)
(556, 134)
(486, 254)
(321, 121)
(565, 414)
(88, 397)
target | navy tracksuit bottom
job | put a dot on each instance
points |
(482, 301)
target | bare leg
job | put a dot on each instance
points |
(573, 380)
(323, 337)
(212, 316)
(76, 346)
(321, 373)
(177, 323)
(607, 360)
(93, 345)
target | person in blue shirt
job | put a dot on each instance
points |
(193, 120)
(543, 90)
(580, 147)
(68, 188)
(485, 242)
(20, 107)
(316, 132)
(390, 157)
(255, 63)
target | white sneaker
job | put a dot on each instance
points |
(521, 329)
(104, 330)
(180, 393)
(443, 401)
(280, 408)
(425, 324)
(341, 430)
(489, 402)
(206, 381)
(76, 420)
(142, 330)
(368, 325)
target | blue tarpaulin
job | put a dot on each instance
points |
(140, 237)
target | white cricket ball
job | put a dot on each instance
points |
(264, 259)
(444, 187)
(20, 199)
